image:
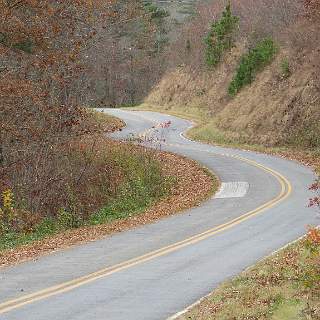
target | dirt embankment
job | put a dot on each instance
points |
(281, 106)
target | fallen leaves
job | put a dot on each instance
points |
(193, 185)
(260, 290)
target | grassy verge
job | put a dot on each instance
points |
(196, 114)
(284, 286)
(207, 131)
(141, 183)
(190, 185)
(145, 184)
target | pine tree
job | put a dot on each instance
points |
(220, 37)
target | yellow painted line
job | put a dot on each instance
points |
(72, 284)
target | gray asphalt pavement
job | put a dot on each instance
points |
(145, 281)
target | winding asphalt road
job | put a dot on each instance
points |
(156, 270)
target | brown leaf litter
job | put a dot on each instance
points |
(193, 185)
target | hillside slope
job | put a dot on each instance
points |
(280, 107)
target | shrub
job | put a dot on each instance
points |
(155, 11)
(26, 46)
(251, 63)
(285, 68)
(220, 37)
(311, 277)
(144, 183)
(311, 265)
(68, 220)
(3, 38)
(23, 45)
(7, 210)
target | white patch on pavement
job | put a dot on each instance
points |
(232, 190)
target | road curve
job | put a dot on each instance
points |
(156, 270)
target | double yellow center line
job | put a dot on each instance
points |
(70, 285)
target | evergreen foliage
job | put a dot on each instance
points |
(220, 37)
(155, 11)
(251, 63)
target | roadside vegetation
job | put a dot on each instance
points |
(264, 88)
(284, 286)
(220, 37)
(106, 122)
(261, 94)
(182, 184)
(252, 62)
(210, 133)
(119, 180)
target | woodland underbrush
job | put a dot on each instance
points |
(89, 181)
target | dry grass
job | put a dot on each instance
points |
(284, 286)
(208, 132)
(277, 109)
(274, 110)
